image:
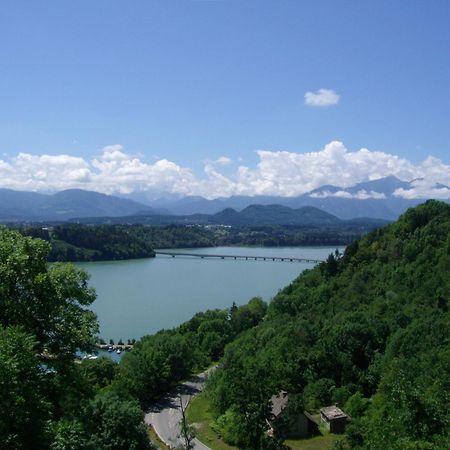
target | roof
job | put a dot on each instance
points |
(279, 402)
(333, 413)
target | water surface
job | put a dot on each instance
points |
(138, 297)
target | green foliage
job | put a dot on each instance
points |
(47, 400)
(154, 365)
(22, 401)
(228, 426)
(99, 372)
(113, 423)
(356, 405)
(369, 329)
(68, 435)
(76, 242)
(49, 303)
(159, 361)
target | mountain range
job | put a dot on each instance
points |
(253, 215)
(371, 199)
(32, 206)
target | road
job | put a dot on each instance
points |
(165, 416)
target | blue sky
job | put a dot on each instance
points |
(192, 81)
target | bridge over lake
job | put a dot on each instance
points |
(241, 257)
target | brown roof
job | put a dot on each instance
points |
(332, 413)
(279, 402)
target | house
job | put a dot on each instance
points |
(290, 424)
(334, 418)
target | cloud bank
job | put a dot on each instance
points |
(362, 194)
(279, 173)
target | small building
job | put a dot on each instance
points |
(334, 419)
(291, 425)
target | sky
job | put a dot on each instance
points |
(223, 97)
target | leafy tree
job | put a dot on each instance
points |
(44, 319)
(98, 373)
(68, 435)
(50, 303)
(114, 423)
(22, 401)
(154, 366)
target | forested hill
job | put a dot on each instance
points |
(369, 330)
(306, 216)
(76, 242)
(73, 242)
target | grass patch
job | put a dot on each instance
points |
(200, 415)
(155, 439)
(315, 443)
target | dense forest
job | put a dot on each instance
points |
(368, 330)
(73, 242)
(76, 242)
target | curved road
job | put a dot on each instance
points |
(165, 416)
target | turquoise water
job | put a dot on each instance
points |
(138, 297)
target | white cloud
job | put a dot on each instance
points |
(223, 161)
(280, 173)
(424, 189)
(322, 97)
(289, 174)
(360, 195)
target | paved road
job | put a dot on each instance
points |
(165, 416)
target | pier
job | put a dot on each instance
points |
(240, 257)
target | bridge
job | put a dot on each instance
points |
(244, 257)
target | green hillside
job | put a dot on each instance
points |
(368, 330)
(276, 215)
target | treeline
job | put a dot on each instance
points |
(368, 330)
(76, 242)
(53, 401)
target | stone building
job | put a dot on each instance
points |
(334, 419)
(290, 424)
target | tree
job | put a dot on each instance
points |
(187, 432)
(44, 320)
(68, 435)
(49, 303)
(99, 372)
(113, 423)
(22, 402)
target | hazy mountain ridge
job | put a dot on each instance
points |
(64, 205)
(373, 199)
(253, 215)
(370, 199)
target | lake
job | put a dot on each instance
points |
(141, 296)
